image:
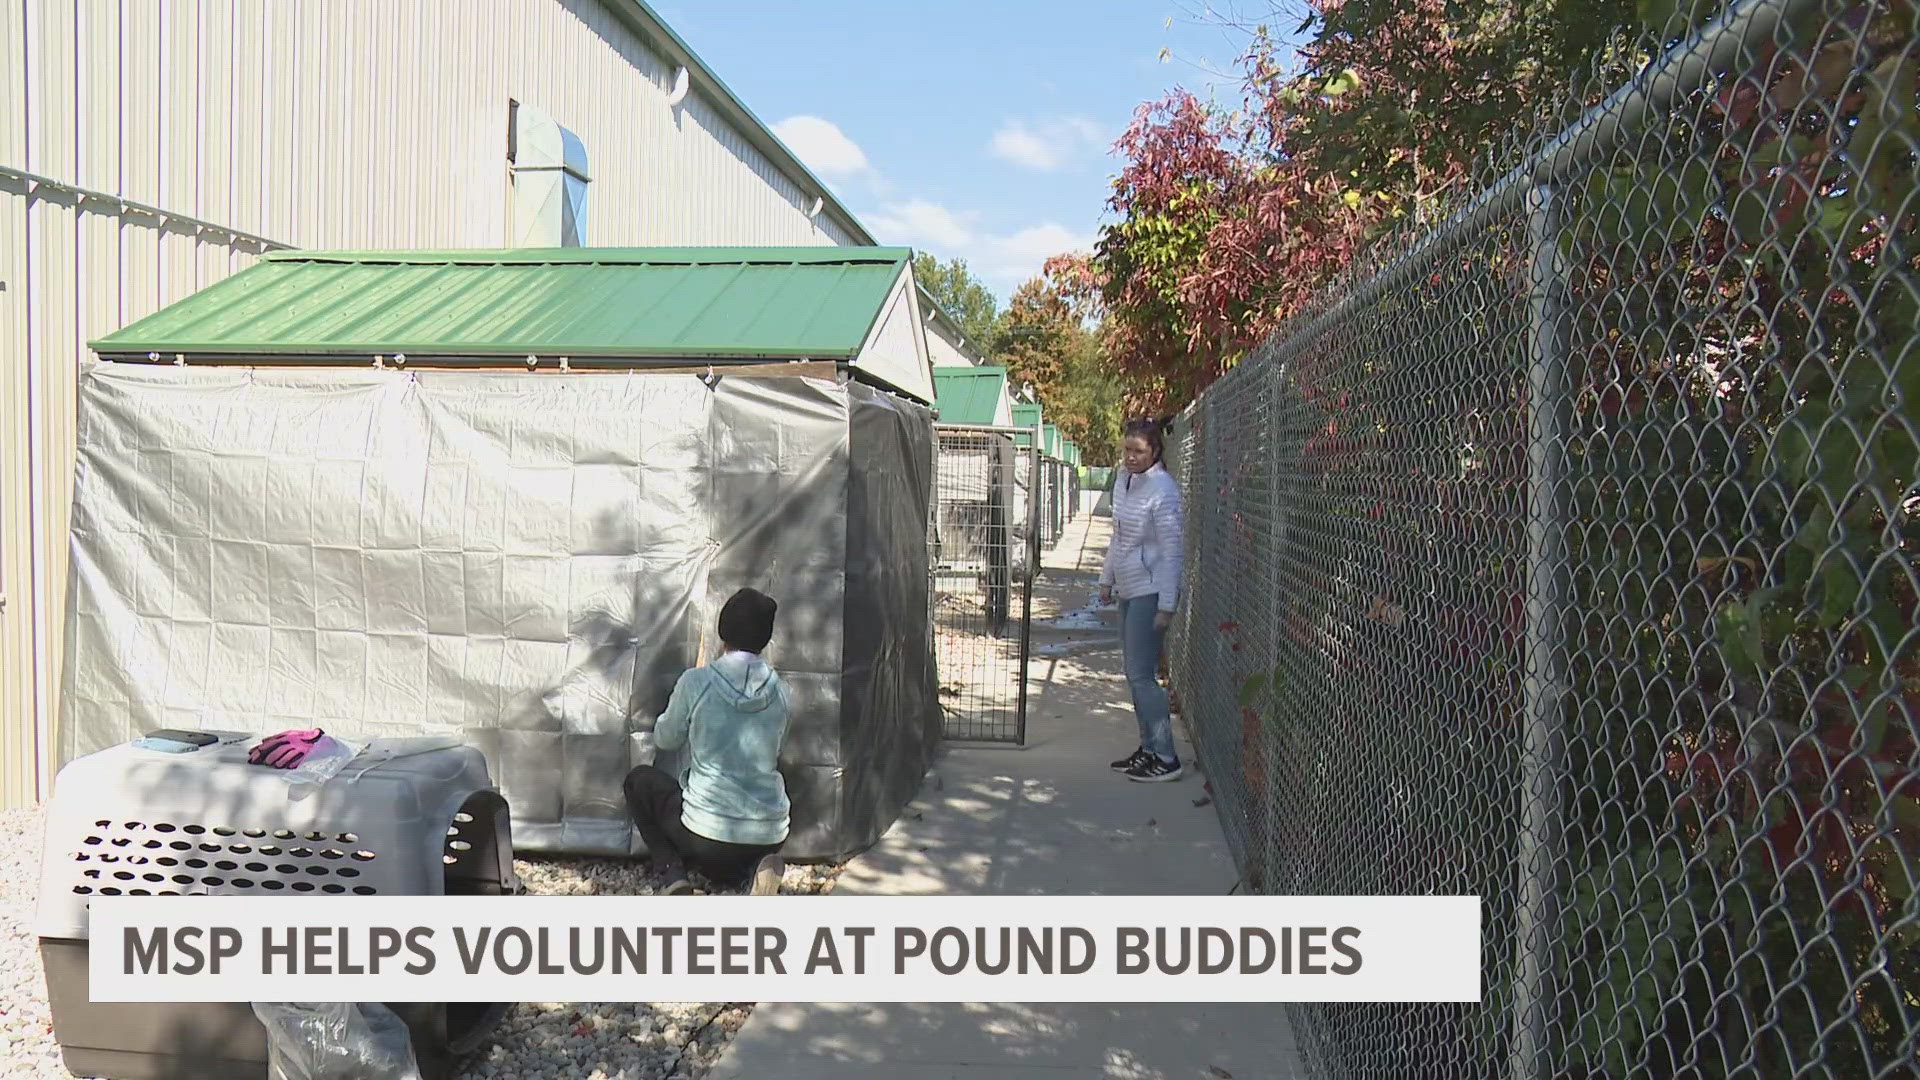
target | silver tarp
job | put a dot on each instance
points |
(528, 561)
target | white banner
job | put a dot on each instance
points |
(797, 948)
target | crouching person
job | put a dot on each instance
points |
(726, 814)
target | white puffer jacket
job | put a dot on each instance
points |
(1146, 552)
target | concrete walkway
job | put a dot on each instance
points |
(1049, 818)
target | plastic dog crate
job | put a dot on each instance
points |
(129, 821)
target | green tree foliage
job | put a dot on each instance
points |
(968, 302)
(1046, 341)
(1397, 98)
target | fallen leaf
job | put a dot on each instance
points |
(1220, 1072)
(1202, 800)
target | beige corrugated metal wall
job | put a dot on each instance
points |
(16, 635)
(313, 123)
(943, 348)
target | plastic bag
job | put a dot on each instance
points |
(321, 1040)
(329, 756)
(382, 751)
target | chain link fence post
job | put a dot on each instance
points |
(1545, 684)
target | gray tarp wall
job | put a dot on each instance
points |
(527, 560)
(891, 720)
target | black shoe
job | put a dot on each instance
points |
(672, 876)
(1155, 770)
(1138, 757)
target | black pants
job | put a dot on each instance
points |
(653, 800)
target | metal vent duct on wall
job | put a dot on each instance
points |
(549, 171)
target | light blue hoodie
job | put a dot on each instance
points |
(732, 717)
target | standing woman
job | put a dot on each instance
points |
(1143, 567)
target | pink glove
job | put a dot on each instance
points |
(286, 749)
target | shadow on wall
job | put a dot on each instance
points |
(561, 752)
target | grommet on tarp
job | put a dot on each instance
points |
(179, 360)
(710, 379)
(565, 366)
(379, 362)
(532, 362)
(400, 359)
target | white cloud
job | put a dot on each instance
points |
(1047, 145)
(822, 145)
(1031, 247)
(920, 223)
(1006, 262)
(1002, 260)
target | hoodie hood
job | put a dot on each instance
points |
(747, 680)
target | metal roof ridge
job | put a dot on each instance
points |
(794, 255)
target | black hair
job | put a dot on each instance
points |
(1153, 431)
(746, 620)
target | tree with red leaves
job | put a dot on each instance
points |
(1213, 247)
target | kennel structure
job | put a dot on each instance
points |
(1040, 478)
(980, 531)
(502, 495)
(136, 822)
(976, 396)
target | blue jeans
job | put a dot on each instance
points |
(1140, 645)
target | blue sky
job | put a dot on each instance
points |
(972, 128)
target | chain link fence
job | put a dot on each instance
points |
(1564, 556)
(983, 550)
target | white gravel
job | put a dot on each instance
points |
(27, 1048)
(550, 1041)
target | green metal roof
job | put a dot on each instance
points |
(969, 395)
(706, 303)
(1054, 445)
(1025, 414)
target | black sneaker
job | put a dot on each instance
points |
(1155, 770)
(672, 874)
(1138, 757)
